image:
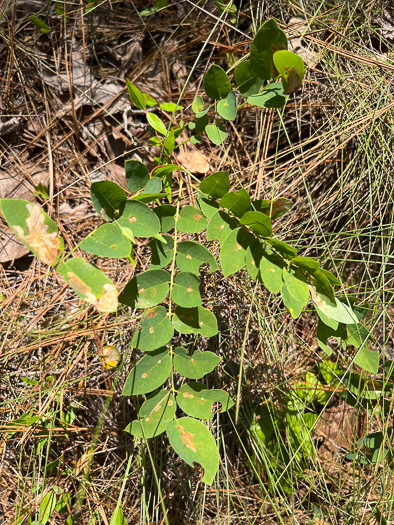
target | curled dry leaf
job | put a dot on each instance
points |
(194, 161)
(106, 302)
(46, 245)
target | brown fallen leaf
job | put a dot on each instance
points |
(194, 161)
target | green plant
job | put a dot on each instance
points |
(171, 298)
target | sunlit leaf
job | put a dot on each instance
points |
(197, 320)
(197, 401)
(194, 443)
(140, 219)
(156, 330)
(154, 415)
(191, 220)
(146, 289)
(186, 290)
(191, 255)
(195, 366)
(107, 241)
(216, 83)
(108, 199)
(149, 373)
(266, 42)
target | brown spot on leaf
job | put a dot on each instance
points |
(316, 297)
(157, 408)
(190, 289)
(238, 247)
(170, 403)
(142, 290)
(132, 219)
(144, 375)
(222, 227)
(46, 245)
(151, 330)
(187, 438)
(188, 256)
(197, 217)
(151, 314)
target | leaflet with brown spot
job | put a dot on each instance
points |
(46, 245)
(106, 302)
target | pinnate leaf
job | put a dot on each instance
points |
(194, 443)
(149, 373)
(195, 366)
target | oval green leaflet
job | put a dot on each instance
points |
(90, 283)
(186, 290)
(107, 241)
(247, 82)
(216, 83)
(155, 331)
(191, 255)
(34, 228)
(233, 251)
(268, 40)
(191, 220)
(149, 373)
(197, 401)
(146, 289)
(227, 107)
(197, 320)
(154, 415)
(195, 366)
(139, 219)
(195, 444)
(220, 226)
(295, 292)
(216, 185)
(108, 199)
(162, 252)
